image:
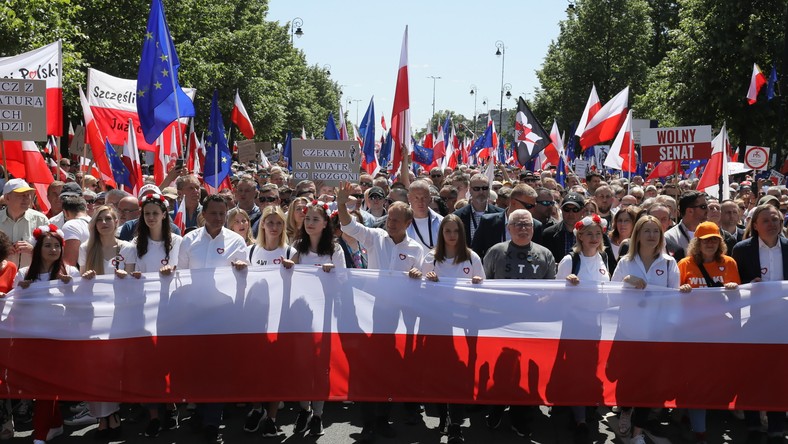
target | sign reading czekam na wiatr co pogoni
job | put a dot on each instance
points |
(329, 161)
(23, 111)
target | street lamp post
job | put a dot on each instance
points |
(434, 79)
(355, 100)
(473, 93)
(501, 52)
(295, 28)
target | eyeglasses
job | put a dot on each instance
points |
(90, 202)
(522, 225)
(135, 210)
(546, 203)
(268, 199)
(365, 184)
(571, 209)
(702, 207)
(527, 205)
(480, 188)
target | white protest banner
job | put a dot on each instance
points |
(329, 161)
(678, 143)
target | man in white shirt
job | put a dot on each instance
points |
(213, 245)
(426, 222)
(18, 220)
(76, 230)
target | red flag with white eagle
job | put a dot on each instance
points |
(607, 121)
(592, 107)
(400, 112)
(622, 154)
(96, 140)
(757, 81)
(241, 118)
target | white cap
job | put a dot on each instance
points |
(16, 186)
(148, 188)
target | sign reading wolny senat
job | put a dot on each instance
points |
(679, 143)
(329, 161)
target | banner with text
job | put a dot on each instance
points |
(329, 161)
(679, 143)
(368, 335)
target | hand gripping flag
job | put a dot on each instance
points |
(217, 153)
(160, 99)
(529, 134)
(241, 119)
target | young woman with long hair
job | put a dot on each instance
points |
(295, 217)
(623, 223)
(46, 265)
(238, 221)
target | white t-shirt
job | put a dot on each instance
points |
(126, 255)
(592, 269)
(447, 268)
(156, 258)
(77, 229)
(20, 275)
(337, 258)
(261, 256)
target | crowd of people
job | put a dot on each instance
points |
(439, 224)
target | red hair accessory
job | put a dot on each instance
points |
(43, 230)
(154, 197)
(587, 221)
(316, 203)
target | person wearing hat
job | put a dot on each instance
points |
(64, 190)
(560, 238)
(376, 202)
(129, 228)
(18, 220)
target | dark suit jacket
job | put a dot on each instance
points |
(745, 253)
(492, 230)
(464, 214)
(553, 239)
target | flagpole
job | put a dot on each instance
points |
(216, 169)
(172, 80)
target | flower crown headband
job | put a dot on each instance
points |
(316, 203)
(587, 221)
(43, 230)
(155, 197)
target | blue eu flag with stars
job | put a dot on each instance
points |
(157, 79)
(120, 173)
(217, 152)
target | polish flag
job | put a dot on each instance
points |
(515, 342)
(607, 121)
(622, 154)
(550, 155)
(56, 170)
(25, 161)
(303, 133)
(757, 81)
(241, 118)
(592, 107)
(95, 139)
(70, 133)
(131, 158)
(44, 63)
(400, 112)
(343, 134)
(666, 169)
(383, 123)
(715, 180)
(438, 148)
(88, 166)
(180, 214)
(174, 151)
(160, 162)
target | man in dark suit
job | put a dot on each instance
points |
(471, 214)
(560, 237)
(492, 227)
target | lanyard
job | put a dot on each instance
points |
(429, 229)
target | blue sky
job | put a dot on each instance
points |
(361, 42)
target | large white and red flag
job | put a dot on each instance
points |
(25, 161)
(607, 121)
(95, 139)
(622, 154)
(550, 155)
(371, 335)
(44, 63)
(113, 101)
(715, 180)
(131, 158)
(400, 111)
(757, 80)
(592, 107)
(241, 118)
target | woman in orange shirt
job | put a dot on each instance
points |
(706, 250)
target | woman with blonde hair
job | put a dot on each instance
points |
(295, 217)
(239, 222)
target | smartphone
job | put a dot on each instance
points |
(179, 163)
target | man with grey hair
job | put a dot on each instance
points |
(479, 205)
(493, 226)
(426, 222)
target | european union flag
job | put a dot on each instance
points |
(287, 151)
(331, 132)
(160, 98)
(560, 173)
(422, 155)
(502, 151)
(771, 84)
(484, 141)
(367, 131)
(217, 152)
(119, 171)
(385, 151)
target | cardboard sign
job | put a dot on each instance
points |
(756, 157)
(776, 177)
(247, 151)
(581, 167)
(329, 161)
(678, 143)
(77, 145)
(23, 109)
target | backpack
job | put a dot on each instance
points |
(576, 261)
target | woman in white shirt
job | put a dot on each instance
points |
(450, 258)
(104, 254)
(156, 249)
(587, 253)
(645, 264)
(46, 265)
(315, 246)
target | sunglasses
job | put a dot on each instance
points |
(546, 203)
(268, 199)
(365, 184)
(702, 207)
(480, 188)
(436, 175)
(571, 209)
(375, 197)
(527, 205)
